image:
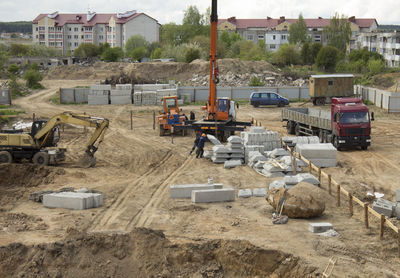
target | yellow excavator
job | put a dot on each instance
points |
(39, 144)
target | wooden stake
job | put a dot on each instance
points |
(398, 242)
(131, 119)
(293, 158)
(84, 128)
(33, 117)
(351, 204)
(309, 163)
(319, 175)
(338, 196)
(329, 184)
(154, 120)
(366, 215)
(382, 226)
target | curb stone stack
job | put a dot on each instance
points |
(236, 148)
(321, 154)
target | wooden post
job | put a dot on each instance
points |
(351, 204)
(382, 226)
(398, 242)
(84, 128)
(293, 158)
(389, 104)
(33, 117)
(299, 93)
(252, 120)
(309, 164)
(319, 175)
(329, 184)
(59, 95)
(366, 215)
(154, 120)
(338, 196)
(131, 119)
(194, 94)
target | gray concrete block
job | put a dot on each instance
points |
(244, 193)
(213, 195)
(97, 100)
(279, 152)
(307, 177)
(218, 160)
(277, 184)
(100, 87)
(288, 161)
(319, 151)
(220, 149)
(319, 227)
(97, 200)
(214, 140)
(72, 200)
(291, 180)
(235, 140)
(185, 190)
(324, 163)
(382, 208)
(257, 129)
(259, 192)
(232, 163)
(272, 175)
(127, 99)
(397, 195)
(398, 211)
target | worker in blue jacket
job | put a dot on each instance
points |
(200, 146)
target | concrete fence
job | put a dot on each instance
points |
(74, 95)
(382, 99)
(5, 96)
(241, 93)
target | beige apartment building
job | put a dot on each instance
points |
(67, 31)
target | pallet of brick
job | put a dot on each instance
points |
(185, 190)
(127, 99)
(321, 154)
(213, 195)
(98, 99)
(73, 200)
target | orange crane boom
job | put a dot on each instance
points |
(211, 104)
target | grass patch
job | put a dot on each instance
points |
(55, 99)
(368, 102)
(8, 112)
(81, 87)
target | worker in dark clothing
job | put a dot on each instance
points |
(186, 118)
(195, 143)
(200, 146)
(192, 116)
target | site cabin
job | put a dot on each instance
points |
(347, 124)
(324, 87)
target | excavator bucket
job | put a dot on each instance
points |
(87, 160)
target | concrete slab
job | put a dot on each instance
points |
(220, 149)
(291, 180)
(259, 192)
(319, 227)
(279, 152)
(218, 160)
(397, 195)
(97, 100)
(185, 190)
(323, 163)
(277, 184)
(257, 129)
(213, 195)
(127, 99)
(72, 200)
(235, 140)
(307, 177)
(398, 211)
(383, 209)
(320, 151)
(272, 175)
(232, 163)
(214, 140)
(288, 161)
(244, 193)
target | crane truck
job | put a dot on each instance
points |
(347, 124)
(220, 114)
(39, 145)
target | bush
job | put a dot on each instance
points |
(192, 54)
(138, 53)
(327, 58)
(19, 49)
(375, 66)
(287, 55)
(13, 69)
(315, 48)
(305, 53)
(134, 42)
(256, 82)
(86, 50)
(112, 54)
(156, 54)
(33, 78)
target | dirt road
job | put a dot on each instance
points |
(135, 168)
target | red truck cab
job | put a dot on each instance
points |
(351, 123)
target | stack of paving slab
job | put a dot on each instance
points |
(236, 148)
(122, 94)
(290, 181)
(99, 94)
(292, 141)
(203, 193)
(321, 154)
(220, 154)
(73, 200)
(259, 139)
(385, 207)
(164, 93)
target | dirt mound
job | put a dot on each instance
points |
(146, 253)
(21, 222)
(301, 201)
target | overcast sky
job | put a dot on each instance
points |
(385, 11)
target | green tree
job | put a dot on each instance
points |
(298, 31)
(19, 49)
(192, 24)
(287, 55)
(138, 53)
(306, 54)
(13, 69)
(256, 82)
(191, 54)
(134, 42)
(156, 54)
(112, 54)
(376, 66)
(327, 58)
(338, 32)
(3, 59)
(171, 33)
(86, 50)
(102, 47)
(315, 48)
(33, 78)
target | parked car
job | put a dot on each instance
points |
(267, 98)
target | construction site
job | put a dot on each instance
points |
(108, 173)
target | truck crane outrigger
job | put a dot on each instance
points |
(38, 145)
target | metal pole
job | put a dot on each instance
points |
(131, 120)
(154, 120)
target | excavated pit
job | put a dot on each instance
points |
(146, 253)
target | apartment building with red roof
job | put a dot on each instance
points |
(67, 31)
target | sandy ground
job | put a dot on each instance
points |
(135, 168)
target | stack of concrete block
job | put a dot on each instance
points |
(259, 166)
(292, 141)
(213, 139)
(122, 94)
(290, 181)
(137, 98)
(149, 98)
(208, 154)
(213, 195)
(164, 93)
(99, 94)
(185, 190)
(320, 227)
(220, 154)
(384, 207)
(259, 139)
(255, 157)
(321, 154)
(152, 87)
(236, 148)
(252, 148)
(273, 170)
(73, 200)
(278, 152)
(232, 163)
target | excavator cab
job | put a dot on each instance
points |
(223, 106)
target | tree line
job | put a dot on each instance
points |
(16, 27)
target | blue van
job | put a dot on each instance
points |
(267, 98)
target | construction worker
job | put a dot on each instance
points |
(195, 143)
(200, 146)
(192, 116)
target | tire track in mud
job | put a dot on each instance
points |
(145, 216)
(109, 215)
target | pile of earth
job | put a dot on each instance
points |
(146, 253)
(21, 222)
(304, 200)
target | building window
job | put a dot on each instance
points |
(69, 44)
(58, 36)
(82, 29)
(272, 46)
(330, 82)
(42, 43)
(76, 37)
(37, 36)
(273, 37)
(283, 37)
(76, 44)
(51, 43)
(41, 36)
(41, 28)
(101, 37)
(82, 37)
(69, 29)
(88, 28)
(76, 29)
(88, 36)
(69, 37)
(51, 29)
(101, 29)
(51, 36)
(58, 43)
(59, 29)
(260, 37)
(249, 37)
(37, 29)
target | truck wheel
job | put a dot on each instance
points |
(256, 104)
(281, 104)
(162, 131)
(41, 158)
(336, 143)
(320, 101)
(364, 148)
(290, 126)
(297, 130)
(5, 157)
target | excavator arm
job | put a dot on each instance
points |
(101, 125)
